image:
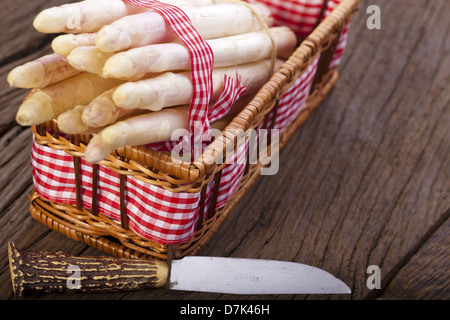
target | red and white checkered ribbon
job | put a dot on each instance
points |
(289, 106)
(295, 97)
(232, 91)
(301, 16)
(202, 61)
(342, 44)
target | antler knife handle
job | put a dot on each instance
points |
(59, 272)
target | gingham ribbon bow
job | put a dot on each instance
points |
(202, 61)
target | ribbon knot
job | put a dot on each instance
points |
(201, 115)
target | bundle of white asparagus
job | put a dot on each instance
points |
(119, 72)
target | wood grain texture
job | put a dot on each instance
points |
(426, 273)
(364, 182)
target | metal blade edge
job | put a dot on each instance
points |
(252, 276)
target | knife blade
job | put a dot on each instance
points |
(60, 272)
(252, 276)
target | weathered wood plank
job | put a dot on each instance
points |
(426, 274)
(364, 182)
(368, 175)
(19, 38)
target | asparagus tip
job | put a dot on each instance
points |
(77, 61)
(99, 113)
(70, 122)
(11, 79)
(116, 134)
(64, 44)
(29, 114)
(118, 66)
(97, 150)
(111, 39)
(127, 97)
(27, 76)
(51, 20)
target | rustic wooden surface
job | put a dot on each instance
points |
(364, 182)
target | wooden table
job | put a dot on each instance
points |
(365, 182)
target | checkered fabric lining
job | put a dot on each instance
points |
(301, 16)
(153, 212)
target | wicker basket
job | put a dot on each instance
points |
(159, 168)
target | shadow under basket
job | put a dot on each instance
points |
(114, 236)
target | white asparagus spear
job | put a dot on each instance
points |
(150, 127)
(227, 19)
(88, 58)
(213, 21)
(65, 43)
(132, 31)
(70, 121)
(91, 59)
(171, 89)
(80, 17)
(140, 130)
(91, 15)
(41, 72)
(228, 51)
(155, 57)
(103, 111)
(253, 46)
(48, 103)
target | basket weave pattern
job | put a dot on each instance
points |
(160, 169)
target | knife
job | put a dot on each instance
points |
(60, 272)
